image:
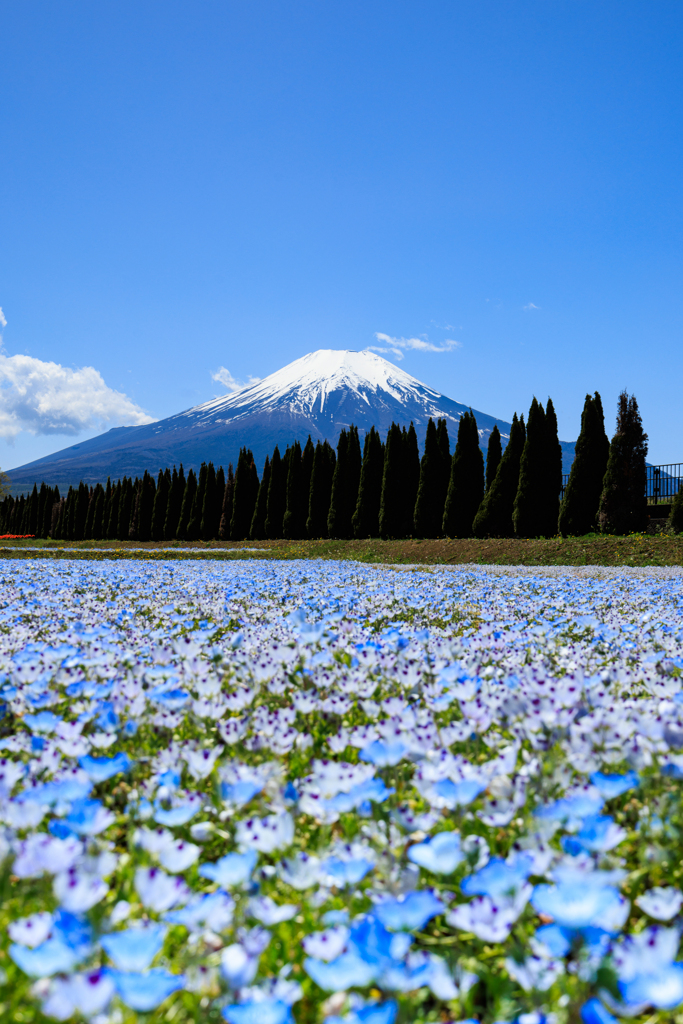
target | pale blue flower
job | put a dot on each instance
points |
(144, 992)
(614, 785)
(264, 1011)
(232, 869)
(100, 769)
(384, 754)
(135, 948)
(410, 912)
(593, 1012)
(576, 904)
(662, 989)
(499, 877)
(441, 854)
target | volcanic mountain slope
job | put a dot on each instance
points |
(318, 394)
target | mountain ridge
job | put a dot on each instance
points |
(318, 394)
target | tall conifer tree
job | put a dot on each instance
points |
(411, 468)
(293, 521)
(365, 519)
(277, 497)
(552, 478)
(320, 494)
(494, 518)
(218, 501)
(33, 512)
(335, 515)
(194, 525)
(98, 512)
(623, 502)
(174, 504)
(125, 504)
(528, 512)
(307, 457)
(392, 505)
(430, 500)
(579, 508)
(226, 506)
(208, 526)
(466, 485)
(257, 530)
(186, 504)
(246, 492)
(146, 507)
(494, 453)
(161, 504)
(90, 517)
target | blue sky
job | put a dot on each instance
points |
(186, 187)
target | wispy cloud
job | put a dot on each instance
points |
(530, 305)
(3, 321)
(224, 377)
(47, 398)
(397, 346)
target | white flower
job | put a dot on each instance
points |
(301, 871)
(327, 945)
(78, 890)
(31, 931)
(661, 903)
(265, 910)
(160, 891)
(535, 972)
(266, 834)
(178, 855)
(201, 762)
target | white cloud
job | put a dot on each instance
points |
(224, 377)
(397, 346)
(3, 321)
(47, 398)
(530, 305)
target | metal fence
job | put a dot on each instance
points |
(663, 483)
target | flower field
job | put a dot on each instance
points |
(265, 792)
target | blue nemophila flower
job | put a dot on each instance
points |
(409, 912)
(576, 904)
(573, 807)
(144, 992)
(43, 721)
(661, 903)
(348, 971)
(183, 807)
(53, 956)
(63, 791)
(610, 786)
(327, 945)
(598, 834)
(87, 994)
(499, 877)
(384, 754)
(263, 1011)
(457, 794)
(135, 948)
(593, 1012)
(233, 869)
(211, 910)
(88, 817)
(371, 1013)
(662, 989)
(440, 854)
(100, 769)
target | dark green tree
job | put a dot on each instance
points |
(466, 484)
(43, 494)
(226, 505)
(125, 507)
(186, 504)
(32, 522)
(161, 504)
(209, 526)
(676, 513)
(277, 497)
(194, 525)
(335, 515)
(257, 530)
(494, 518)
(90, 517)
(527, 514)
(552, 478)
(113, 521)
(411, 468)
(80, 512)
(174, 504)
(579, 508)
(365, 519)
(494, 453)
(431, 496)
(320, 493)
(392, 503)
(293, 522)
(623, 502)
(98, 512)
(246, 493)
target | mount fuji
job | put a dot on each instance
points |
(318, 394)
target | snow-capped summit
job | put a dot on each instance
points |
(318, 394)
(324, 383)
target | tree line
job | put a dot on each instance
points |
(387, 490)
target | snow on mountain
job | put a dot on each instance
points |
(318, 394)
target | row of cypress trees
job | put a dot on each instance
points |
(387, 491)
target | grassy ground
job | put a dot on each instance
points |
(593, 549)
